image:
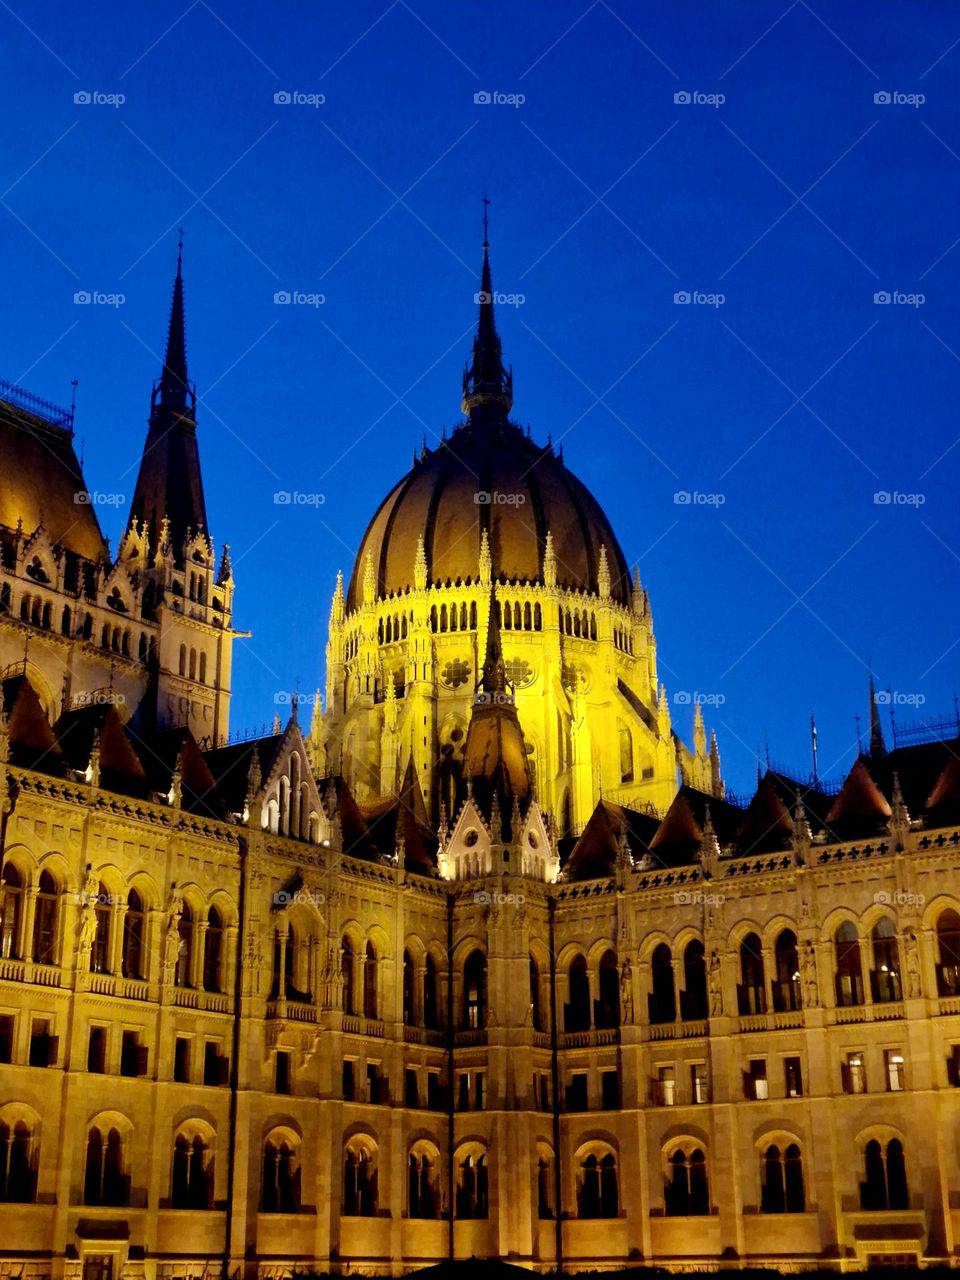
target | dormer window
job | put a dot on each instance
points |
(115, 601)
(36, 571)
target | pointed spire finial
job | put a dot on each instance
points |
(878, 748)
(174, 390)
(486, 382)
(493, 678)
(603, 575)
(549, 563)
(420, 566)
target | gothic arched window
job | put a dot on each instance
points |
(45, 921)
(133, 926)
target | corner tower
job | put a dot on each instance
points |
(167, 548)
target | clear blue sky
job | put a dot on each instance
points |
(798, 198)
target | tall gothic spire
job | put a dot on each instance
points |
(169, 484)
(174, 390)
(878, 748)
(486, 382)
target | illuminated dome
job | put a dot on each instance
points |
(531, 494)
(489, 477)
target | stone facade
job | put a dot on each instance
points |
(265, 1009)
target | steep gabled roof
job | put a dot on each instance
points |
(943, 802)
(860, 809)
(230, 766)
(678, 837)
(160, 754)
(121, 768)
(33, 744)
(594, 855)
(767, 825)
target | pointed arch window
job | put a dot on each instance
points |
(849, 975)
(782, 1180)
(213, 952)
(430, 995)
(885, 1177)
(786, 987)
(662, 1000)
(409, 990)
(280, 1180)
(183, 976)
(885, 975)
(472, 1187)
(192, 1177)
(693, 1001)
(607, 1008)
(475, 990)
(576, 1012)
(948, 953)
(423, 1200)
(133, 936)
(751, 990)
(104, 1181)
(686, 1192)
(12, 908)
(45, 921)
(370, 982)
(18, 1159)
(360, 1194)
(100, 951)
(536, 1011)
(347, 974)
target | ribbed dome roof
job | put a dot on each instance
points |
(437, 500)
(489, 477)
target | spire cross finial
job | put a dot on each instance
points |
(486, 236)
(180, 250)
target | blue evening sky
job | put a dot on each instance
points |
(798, 197)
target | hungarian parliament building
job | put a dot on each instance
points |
(471, 957)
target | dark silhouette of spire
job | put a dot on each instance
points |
(493, 678)
(878, 748)
(486, 382)
(169, 484)
(174, 390)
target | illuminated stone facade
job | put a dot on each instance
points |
(370, 996)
